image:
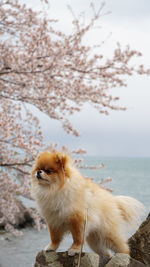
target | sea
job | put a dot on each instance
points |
(129, 176)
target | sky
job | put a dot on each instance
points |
(122, 133)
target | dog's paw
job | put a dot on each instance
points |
(73, 251)
(49, 248)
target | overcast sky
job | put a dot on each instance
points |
(121, 133)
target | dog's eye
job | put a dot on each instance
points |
(49, 171)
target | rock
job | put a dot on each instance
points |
(123, 260)
(61, 259)
(22, 217)
(140, 243)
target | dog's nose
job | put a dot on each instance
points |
(38, 175)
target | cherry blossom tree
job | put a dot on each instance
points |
(55, 72)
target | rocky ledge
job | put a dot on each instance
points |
(140, 243)
(140, 254)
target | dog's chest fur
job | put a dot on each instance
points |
(55, 206)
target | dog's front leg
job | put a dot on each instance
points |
(76, 225)
(56, 236)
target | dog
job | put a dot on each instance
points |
(71, 203)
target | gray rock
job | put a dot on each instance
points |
(140, 243)
(22, 217)
(61, 259)
(119, 260)
(123, 260)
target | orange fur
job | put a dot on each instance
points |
(56, 236)
(76, 223)
(64, 197)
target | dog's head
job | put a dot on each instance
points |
(51, 168)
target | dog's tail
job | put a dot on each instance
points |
(131, 210)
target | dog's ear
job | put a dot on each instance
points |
(63, 169)
(61, 159)
(63, 163)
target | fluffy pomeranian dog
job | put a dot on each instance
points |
(68, 202)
